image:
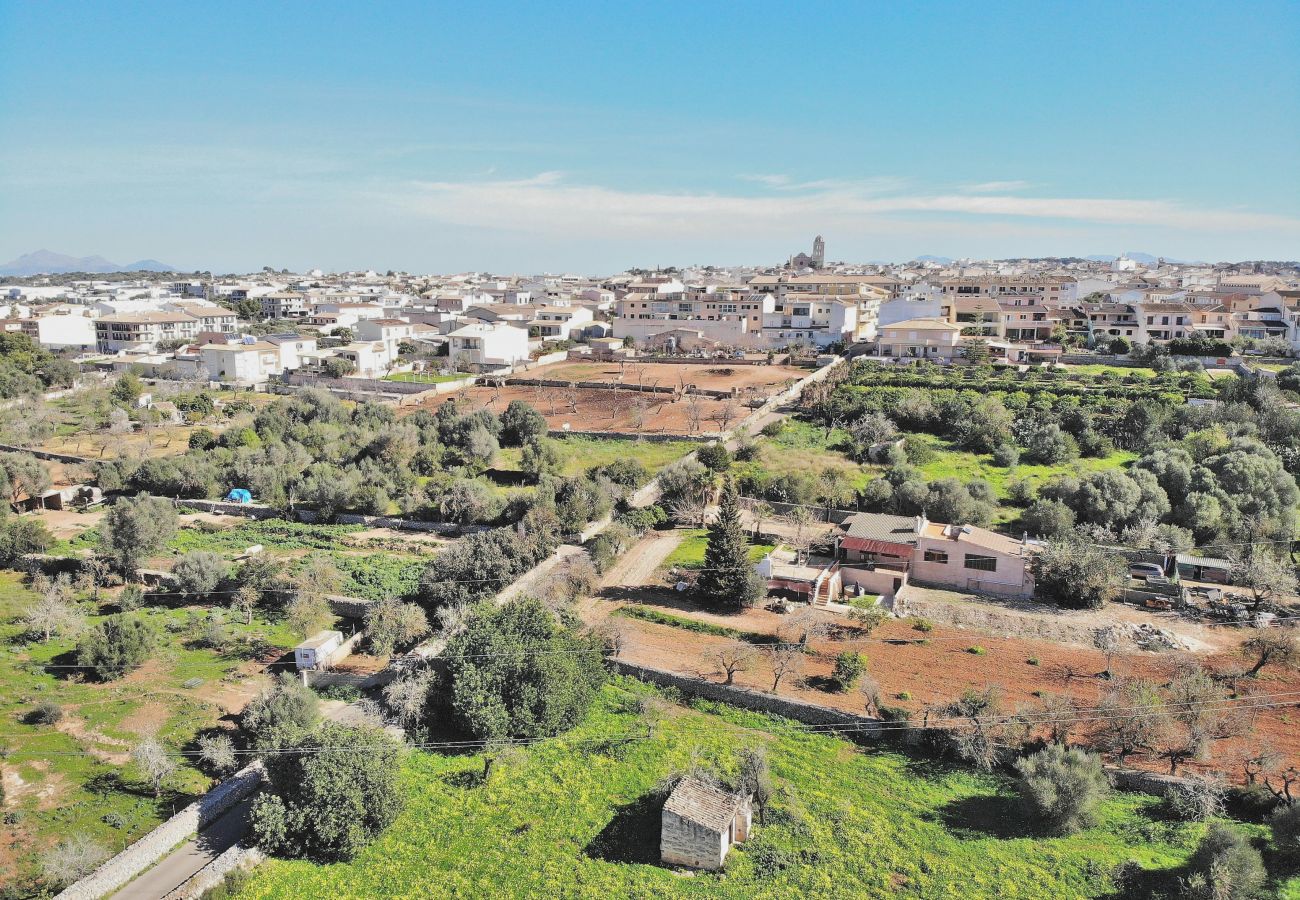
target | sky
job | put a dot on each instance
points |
(591, 137)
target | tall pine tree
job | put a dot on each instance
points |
(728, 579)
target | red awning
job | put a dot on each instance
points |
(871, 545)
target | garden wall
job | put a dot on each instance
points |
(808, 713)
(158, 843)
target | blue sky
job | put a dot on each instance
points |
(591, 137)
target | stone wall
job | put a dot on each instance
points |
(211, 875)
(808, 713)
(158, 843)
(686, 843)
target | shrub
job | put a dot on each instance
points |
(925, 626)
(47, 712)
(1062, 788)
(1006, 456)
(1194, 800)
(714, 457)
(849, 667)
(903, 695)
(115, 646)
(1285, 825)
(773, 428)
(280, 715)
(1033, 661)
(976, 650)
(199, 572)
(1224, 867)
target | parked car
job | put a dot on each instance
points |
(1143, 571)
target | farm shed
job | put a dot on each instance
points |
(700, 822)
(1203, 568)
(317, 651)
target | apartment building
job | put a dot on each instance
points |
(731, 317)
(284, 305)
(1010, 288)
(142, 332)
(815, 319)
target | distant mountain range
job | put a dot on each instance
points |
(46, 262)
(941, 260)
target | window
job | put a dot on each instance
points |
(982, 563)
(935, 556)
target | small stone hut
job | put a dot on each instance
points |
(700, 822)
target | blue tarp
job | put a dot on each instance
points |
(239, 495)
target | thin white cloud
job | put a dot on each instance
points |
(995, 187)
(548, 204)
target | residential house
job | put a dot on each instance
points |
(933, 339)
(559, 322)
(488, 345)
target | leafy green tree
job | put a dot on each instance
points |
(1048, 519)
(22, 473)
(328, 803)
(849, 667)
(516, 672)
(115, 646)
(1062, 788)
(134, 529)
(280, 715)
(521, 424)
(20, 536)
(541, 457)
(1077, 575)
(200, 572)
(128, 388)
(715, 457)
(728, 578)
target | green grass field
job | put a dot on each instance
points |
(1102, 369)
(423, 378)
(75, 778)
(803, 447)
(581, 453)
(690, 552)
(571, 817)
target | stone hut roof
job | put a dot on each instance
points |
(703, 804)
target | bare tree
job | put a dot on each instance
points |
(218, 751)
(869, 688)
(785, 659)
(407, 697)
(638, 415)
(724, 414)
(154, 762)
(694, 412)
(732, 657)
(1056, 713)
(72, 859)
(1108, 641)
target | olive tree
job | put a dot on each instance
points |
(1062, 787)
(134, 529)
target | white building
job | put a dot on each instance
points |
(485, 344)
(559, 322)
